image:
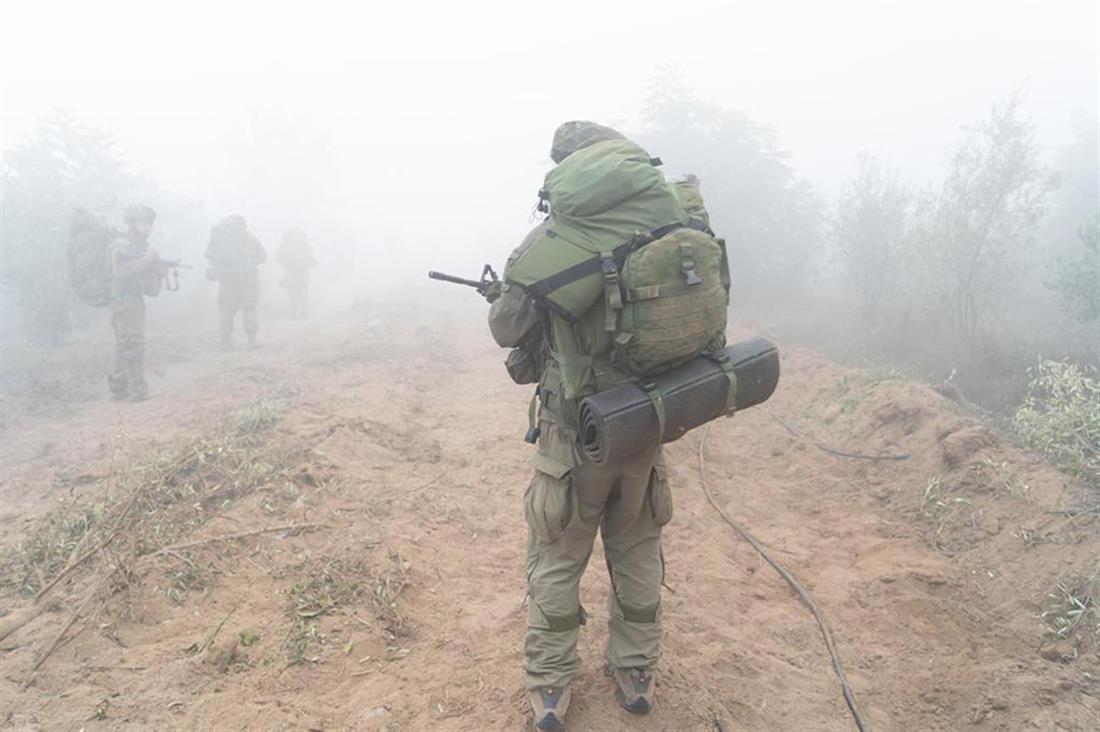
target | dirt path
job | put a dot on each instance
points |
(403, 438)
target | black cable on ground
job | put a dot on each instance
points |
(801, 591)
(826, 448)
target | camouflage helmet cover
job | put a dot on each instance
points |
(577, 135)
(138, 212)
(235, 222)
(295, 235)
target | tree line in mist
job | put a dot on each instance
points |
(63, 165)
(972, 279)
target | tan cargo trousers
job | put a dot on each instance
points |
(296, 282)
(567, 502)
(239, 292)
(128, 321)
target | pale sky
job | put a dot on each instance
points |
(433, 120)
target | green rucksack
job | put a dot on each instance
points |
(89, 258)
(617, 230)
(673, 302)
(687, 190)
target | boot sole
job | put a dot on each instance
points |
(638, 706)
(550, 723)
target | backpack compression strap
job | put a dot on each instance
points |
(607, 263)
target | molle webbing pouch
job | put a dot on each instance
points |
(572, 373)
(674, 302)
(557, 402)
(522, 366)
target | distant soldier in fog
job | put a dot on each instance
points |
(135, 273)
(296, 257)
(235, 256)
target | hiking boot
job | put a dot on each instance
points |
(635, 689)
(550, 704)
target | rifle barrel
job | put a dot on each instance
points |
(456, 280)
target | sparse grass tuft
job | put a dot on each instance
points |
(259, 415)
(936, 505)
(49, 549)
(940, 508)
(335, 584)
(1072, 611)
(187, 577)
(386, 589)
(1000, 478)
(299, 641)
(882, 375)
(866, 386)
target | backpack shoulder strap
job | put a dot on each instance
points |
(598, 262)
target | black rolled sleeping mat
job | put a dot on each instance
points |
(621, 422)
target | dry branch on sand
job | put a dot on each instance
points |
(76, 615)
(288, 528)
(163, 501)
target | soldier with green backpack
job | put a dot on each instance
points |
(119, 270)
(235, 255)
(135, 273)
(618, 284)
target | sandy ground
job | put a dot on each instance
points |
(397, 446)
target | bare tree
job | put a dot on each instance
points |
(869, 230)
(1078, 280)
(769, 217)
(984, 218)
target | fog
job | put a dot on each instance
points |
(410, 136)
(418, 117)
(294, 493)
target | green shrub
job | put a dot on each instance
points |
(1078, 281)
(1061, 416)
